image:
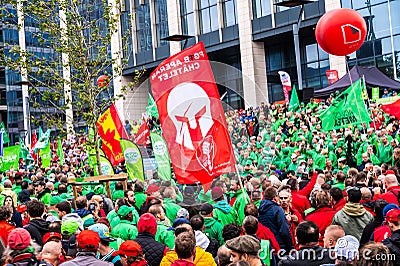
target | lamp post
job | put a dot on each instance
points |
(178, 38)
(296, 28)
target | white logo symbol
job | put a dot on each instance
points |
(188, 106)
(105, 168)
(159, 148)
(131, 155)
(351, 34)
(206, 154)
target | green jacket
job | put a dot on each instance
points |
(140, 198)
(46, 198)
(111, 216)
(171, 209)
(224, 213)
(164, 236)
(125, 230)
(385, 153)
(241, 200)
(213, 229)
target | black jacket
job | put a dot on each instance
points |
(153, 250)
(313, 256)
(37, 228)
(393, 244)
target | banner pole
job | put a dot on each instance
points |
(369, 103)
(241, 184)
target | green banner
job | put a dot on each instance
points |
(45, 154)
(294, 100)
(106, 167)
(387, 100)
(23, 153)
(60, 152)
(162, 156)
(347, 109)
(133, 159)
(3, 130)
(151, 109)
(10, 158)
(375, 93)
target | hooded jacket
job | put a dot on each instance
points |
(24, 196)
(272, 216)
(44, 196)
(213, 229)
(86, 259)
(353, 218)
(393, 244)
(182, 263)
(224, 213)
(83, 213)
(201, 258)
(37, 228)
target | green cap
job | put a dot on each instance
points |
(68, 228)
(88, 223)
(98, 190)
(124, 210)
(55, 200)
(118, 194)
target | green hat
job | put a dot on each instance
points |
(259, 146)
(55, 200)
(88, 223)
(118, 194)
(69, 227)
(99, 189)
(249, 161)
(124, 210)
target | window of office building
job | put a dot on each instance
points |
(187, 17)
(208, 15)
(161, 16)
(143, 25)
(126, 29)
(230, 12)
(261, 8)
(383, 29)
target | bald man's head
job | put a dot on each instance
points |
(390, 180)
(332, 234)
(51, 252)
(365, 193)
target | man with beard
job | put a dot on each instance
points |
(42, 192)
(163, 235)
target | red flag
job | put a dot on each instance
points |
(111, 130)
(286, 84)
(392, 109)
(34, 140)
(143, 134)
(192, 117)
(332, 76)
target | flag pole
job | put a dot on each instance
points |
(241, 184)
(369, 103)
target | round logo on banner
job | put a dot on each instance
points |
(105, 168)
(159, 147)
(131, 155)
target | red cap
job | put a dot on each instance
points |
(390, 172)
(147, 223)
(49, 235)
(393, 215)
(19, 239)
(151, 189)
(129, 248)
(21, 208)
(88, 239)
(216, 192)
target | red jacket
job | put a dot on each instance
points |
(322, 217)
(300, 203)
(382, 232)
(309, 187)
(293, 225)
(339, 205)
(390, 196)
(263, 232)
(5, 229)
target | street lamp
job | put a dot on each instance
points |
(178, 38)
(296, 27)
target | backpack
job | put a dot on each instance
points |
(33, 261)
(213, 247)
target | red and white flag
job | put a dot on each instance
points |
(192, 118)
(286, 84)
(332, 76)
(143, 134)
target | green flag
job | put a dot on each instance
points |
(162, 156)
(10, 158)
(45, 154)
(60, 152)
(3, 130)
(294, 100)
(133, 159)
(347, 109)
(23, 153)
(106, 167)
(151, 109)
(43, 141)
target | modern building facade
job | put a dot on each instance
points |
(256, 38)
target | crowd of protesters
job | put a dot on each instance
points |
(303, 197)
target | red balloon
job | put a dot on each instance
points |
(103, 81)
(341, 31)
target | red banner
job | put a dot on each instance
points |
(392, 109)
(286, 84)
(34, 140)
(143, 134)
(111, 130)
(192, 117)
(332, 76)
